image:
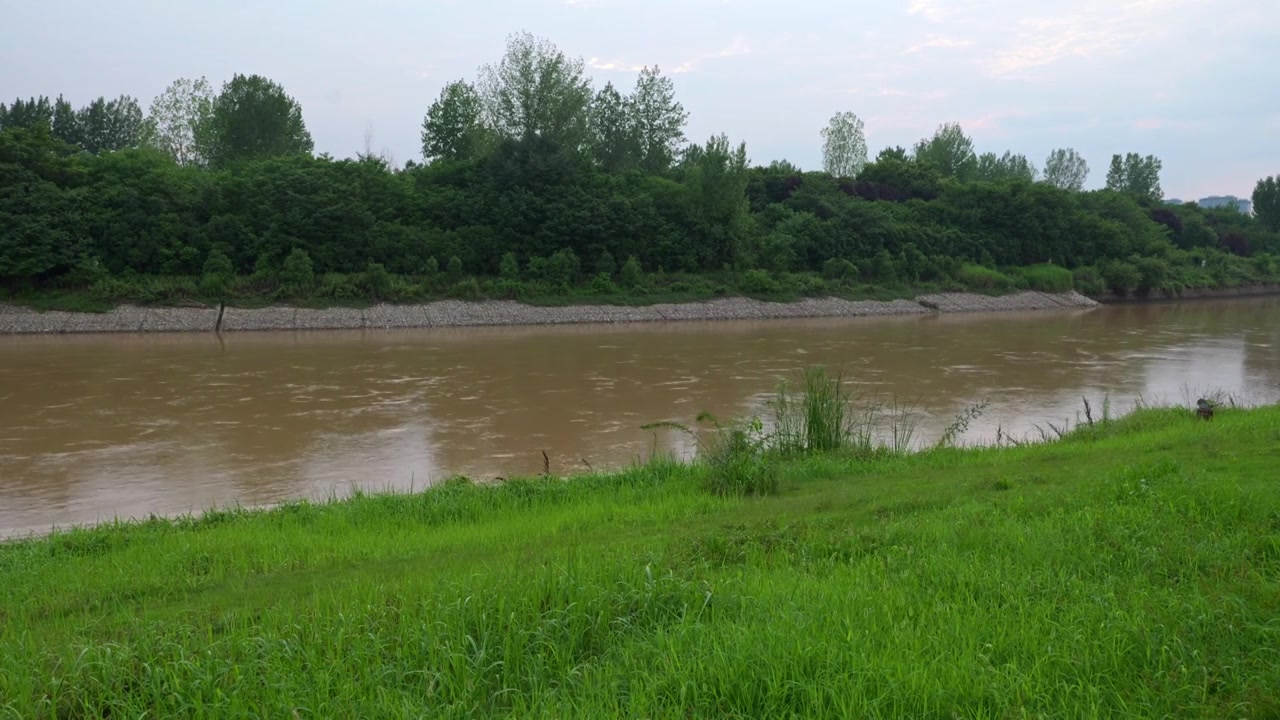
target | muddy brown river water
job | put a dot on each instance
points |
(99, 426)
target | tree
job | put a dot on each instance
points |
(1135, 175)
(1010, 166)
(1266, 202)
(1065, 169)
(536, 92)
(109, 125)
(66, 122)
(452, 129)
(657, 120)
(717, 180)
(614, 137)
(253, 118)
(895, 152)
(26, 114)
(950, 150)
(844, 146)
(175, 119)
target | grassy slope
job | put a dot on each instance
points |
(1129, 572)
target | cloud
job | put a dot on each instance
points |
(613, 65)
(940, 42)
(931, 10)
(738, 46)
(1098, 29)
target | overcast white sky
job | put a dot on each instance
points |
(1194, 82)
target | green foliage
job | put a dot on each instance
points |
(253, 118)
(1048, 278)
(1089, 281)
(977, 277)
(1266, 202)
(1120, 276)
(538, 168)
(509, 267)
(631, 276)
(1136, 175)
(1153, 273)
(376, 281)
(218, 273)
(839, 269)
(453, 271)
(452, 129)
(562, 268)
(605, 264)
(757, 282)
(950, 151)
(881, 269)
(297, 273)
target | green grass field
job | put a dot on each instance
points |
(1129, 570)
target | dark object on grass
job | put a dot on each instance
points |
(1204, 409)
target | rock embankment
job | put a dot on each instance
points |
(455, 313)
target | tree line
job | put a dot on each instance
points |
(534, 182)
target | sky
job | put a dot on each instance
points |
(1193, 82)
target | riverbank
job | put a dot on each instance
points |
(1249, 290)
(457, 313)
(1130, 569)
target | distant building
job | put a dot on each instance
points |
(1245, 207)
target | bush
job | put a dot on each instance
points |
(376, 281)
(1088, 281)
(453, 271)
(562, 268)
(1048, 278)
(735, 457)
(468, 289)
(218, 274)
(881, 269)
(337, 286)
(977, 277)
(509, 268)
(839, 269)
(605, 264)
(602, 284)
(631, 276)
(1264, 266)
(757, 282)
(1153, 273)
(911, 263)
(298, 274)
(1120, 276)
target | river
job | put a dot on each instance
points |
(98, 426)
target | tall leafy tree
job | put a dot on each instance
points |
(1266, 202)
(176, 117)
(950, 150)
(657, 119)
(26, 113)
(66, 122)
(109, 125)
(717, 179)
(614, 137)
(252, 118)
(1010, 166)
(536, 91)
(844, 145)
(453, 127)
(1065, 169)
(1136, 175)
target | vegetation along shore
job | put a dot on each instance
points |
(806, 566)
(217, 197)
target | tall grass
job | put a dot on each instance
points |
(1047, 278)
